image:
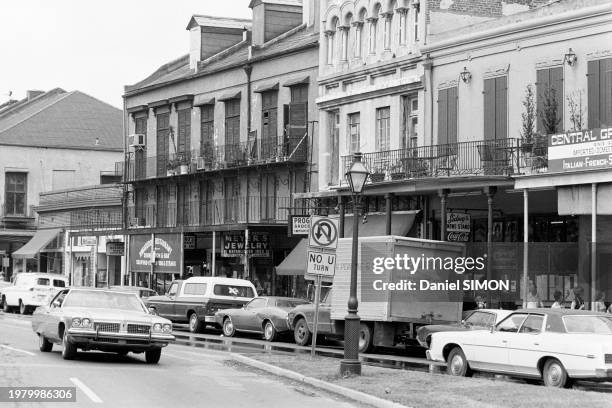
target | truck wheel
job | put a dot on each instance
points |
(365, 338)
(195, 325)
(153, 356)
(43, 344)
(301, 333)
(458, 364)
(23, 309)
(5, 307)
(228, 327)
(69, 351)
(554, 374)
(269, 331)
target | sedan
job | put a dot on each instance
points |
(267, 315)
(555, 346)
(474, 320)
(105, 320)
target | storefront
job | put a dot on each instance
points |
(155, 265)
(94, 260)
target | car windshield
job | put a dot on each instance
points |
(480, 319)
(103, 300)
(290, 303)
(588, 324)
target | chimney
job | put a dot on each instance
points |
(31, 94)
(272, 18)
(311, 13)
(211, 35)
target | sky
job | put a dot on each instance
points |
(95, 47)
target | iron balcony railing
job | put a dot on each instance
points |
(489, 157)
(212, 158)
(230, 210)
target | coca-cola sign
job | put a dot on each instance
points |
(458, 226)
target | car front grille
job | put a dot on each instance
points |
(107, 340)
(107, 327)
(608, 358)
(138, 328)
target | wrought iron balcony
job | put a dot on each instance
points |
(481, 158)
(214, 158)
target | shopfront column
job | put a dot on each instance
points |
(443, 197)
(388, 212)
(525, 245)
(593, 245)
(490, 192)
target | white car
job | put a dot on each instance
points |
(556, 346)
(30, 290)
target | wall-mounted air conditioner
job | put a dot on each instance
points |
(201, 163)
(136, 140)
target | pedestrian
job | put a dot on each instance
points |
(533, 300)
(578, 302)
(600, 305)
(558, 296)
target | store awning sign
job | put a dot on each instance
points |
(258, 247)
(458, 226)
(577, 151)
(165, 252)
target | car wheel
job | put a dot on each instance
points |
(43, 344)
(458, 364)
(195, 325)
(5, 307)
(554, 374)
(228, 327)
(153, 356)
(301, 333)
(269, 331)
(23, 309)
(69, 351)
(365, 338)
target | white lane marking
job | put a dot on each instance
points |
(92, 395)
(17, 350)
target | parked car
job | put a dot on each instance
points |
(143, 293)
(556, 346)
(197, 299)
(30, 290)
(100, 319)
(266, 314)
(474, 320)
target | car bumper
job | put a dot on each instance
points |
(603, 373)
(92, 338)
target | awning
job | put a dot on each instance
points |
(297, 81)
(376, 224)
(41, 239)
(230, 95)
(295, 262)
(268, 86)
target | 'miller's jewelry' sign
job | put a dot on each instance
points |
(258, 245)
(576, 151)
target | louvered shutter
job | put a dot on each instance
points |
(442, 116)
(489, 109)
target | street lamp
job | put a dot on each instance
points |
(350, 365)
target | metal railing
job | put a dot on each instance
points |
(487, 157)
(212, 158)
(230, 210)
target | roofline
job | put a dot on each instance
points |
(105, 149)
(28, 117)
(139, 91)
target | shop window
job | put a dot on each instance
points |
(15, 187)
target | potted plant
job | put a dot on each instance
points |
(528, 118)
(397, 172)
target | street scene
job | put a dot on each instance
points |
(399, 203)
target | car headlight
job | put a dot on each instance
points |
(167, 328)
(76, 322)
(82, 323)
(86, 323)
(157, 327)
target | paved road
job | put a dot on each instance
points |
(185, 377)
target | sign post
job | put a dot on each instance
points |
(317, 300)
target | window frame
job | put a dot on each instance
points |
(351, 125)
(7, 193)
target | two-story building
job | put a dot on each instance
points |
(219, 140)
(49, 140)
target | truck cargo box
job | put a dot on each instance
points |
(393, 305)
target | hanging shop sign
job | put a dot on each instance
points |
(299, 225)
(189, 242)
(258, 246)
(87, 241)
(164, 255)
(458, 226)
(576, 151)
(115, 248)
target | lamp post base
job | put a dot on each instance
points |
(350, 367)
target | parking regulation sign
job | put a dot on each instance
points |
(323, 233)
(321, 263)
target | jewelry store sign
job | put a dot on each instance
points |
(258, 246)
(576, 151)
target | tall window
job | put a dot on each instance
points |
(388, 17)
(163, 143)
(269, 123)
(183, 142)
(382, 128)
(344, 33)
(600, 93)
(139, 202)
(495, 108)
(140, 164)
(549, 91)
(330, 35)
(402, 25)
(232, 129)
(372, 35)
(334, 141)
(447, 116)
(353, 132)
(15, 193)
(207, 131)
(297, 125)
(358, 38)
(163, 196)
(416, 24)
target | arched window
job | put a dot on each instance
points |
(331, 40)
(359, 32)
(374, 28)
(345, 31)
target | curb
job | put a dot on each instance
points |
(336, 389)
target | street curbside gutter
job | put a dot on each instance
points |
(336, 389)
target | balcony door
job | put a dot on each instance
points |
(163, 142)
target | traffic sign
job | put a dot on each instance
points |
(321, 263)
(323, 233)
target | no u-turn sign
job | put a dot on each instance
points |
(321, 263)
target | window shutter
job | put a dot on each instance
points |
(489, 109)
(442, 116)
(593, 89)
(605, 92)
(556, 84)
(542, 85)
(452, 115)
(501, 108)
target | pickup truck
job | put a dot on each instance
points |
(387, 317)
(197, 299)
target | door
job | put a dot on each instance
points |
(53, 315)
(525, 347)
(165, 303)
(246, 318)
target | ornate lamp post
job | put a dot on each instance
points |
(350, 365)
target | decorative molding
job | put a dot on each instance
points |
(496, 71)
(451, 83)
(372, 20)
(344, 28)
(599, 55)
(357, 24)
(548, 63)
